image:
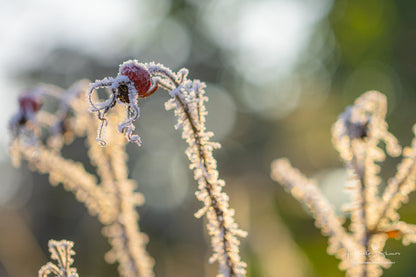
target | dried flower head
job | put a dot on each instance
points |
(23, 123)
(133, 81)
(34, 122)
(30, 102)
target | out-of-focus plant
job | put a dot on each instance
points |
(62, 252)
(358, 136)
(38, 137)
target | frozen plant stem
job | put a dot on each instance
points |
(359, 171)
(39, 135)
(188, 102)
(111, 196)
(357, 135)
(224, 231)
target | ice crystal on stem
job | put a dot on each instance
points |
(358, 136)
(136, 80)
(188, 102)
(61, 252)
(111, 197)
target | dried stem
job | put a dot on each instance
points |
(214, 203)
(112, 198)
(358, 166)
(189, 106)
(357, 135)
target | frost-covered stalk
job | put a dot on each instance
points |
(188, 101)
(136, 80)
(38, 138)
(357, 136)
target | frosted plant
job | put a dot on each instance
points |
(358, 136)
(38, 138)
(24, 122)
(136, 80)
(61, 252)
(39, 135)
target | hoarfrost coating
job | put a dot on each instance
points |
(358, 135)
(108, 193)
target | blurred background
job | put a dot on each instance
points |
(278, 74)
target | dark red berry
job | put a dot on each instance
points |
(30, 102)
(138, 75)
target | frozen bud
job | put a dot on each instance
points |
(30, 102)
(354, 130)
(139, 76)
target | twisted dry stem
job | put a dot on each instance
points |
(357, 136)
